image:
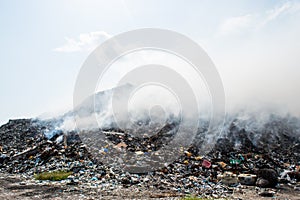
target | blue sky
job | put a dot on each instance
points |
(254, 44)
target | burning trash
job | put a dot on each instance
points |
(32, 146)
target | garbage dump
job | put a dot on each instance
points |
(242, 162)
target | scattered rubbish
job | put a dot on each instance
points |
(94, 179)
(206, 163)
(121, 145)
(32, 147)
(3, 157)
(228, 178)
(139, 153)
(235, 161)
(222, 165)
(199, 158)
(59, 139)
(188, 154)
(247, 179)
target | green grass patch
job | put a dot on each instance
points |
(53, 176)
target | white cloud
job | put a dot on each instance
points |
(254, 21)
(84, 42)
(272, 14)
(236, 24)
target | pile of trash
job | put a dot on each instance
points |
(240, 157)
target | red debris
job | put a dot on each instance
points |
(206, 163)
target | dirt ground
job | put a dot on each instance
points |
(16, 187)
